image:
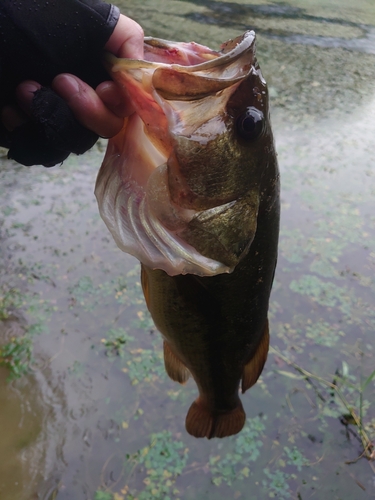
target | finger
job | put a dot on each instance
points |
(126, 39)
(12, 117)
(87, 106)
(115, 99)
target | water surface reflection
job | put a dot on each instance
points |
(102, 412)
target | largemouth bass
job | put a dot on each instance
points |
(190, 186)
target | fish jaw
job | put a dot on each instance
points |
(163, 212)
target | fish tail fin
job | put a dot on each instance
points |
(176, 370)
(254, 367)
(202, 422)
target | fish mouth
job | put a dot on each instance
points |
(188, 83)
(179, 92)
(210, 72)
(188, 57)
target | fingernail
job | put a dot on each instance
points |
(30, 87)
(66, 85)
(25, 94)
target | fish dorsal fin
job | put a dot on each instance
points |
(176, 370)
(254, 367)
(201, 422)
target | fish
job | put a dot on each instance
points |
(190, 187)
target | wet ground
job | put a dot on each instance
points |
(96, 417)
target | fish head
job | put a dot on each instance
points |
(184, 176)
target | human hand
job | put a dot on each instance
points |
(104, 109)
(101, 110)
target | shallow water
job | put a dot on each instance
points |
(97, 418)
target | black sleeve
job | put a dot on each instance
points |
(40, 39)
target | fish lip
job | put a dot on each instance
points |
(246, 42)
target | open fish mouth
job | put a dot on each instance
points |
(163, 192)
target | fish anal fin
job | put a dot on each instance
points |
(254, 366)
(176, 370)
(202, 422)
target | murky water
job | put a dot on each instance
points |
(97, 418)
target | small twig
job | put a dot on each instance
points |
(121, 310)
(320, 396)
(317, 461)
(194, 468)
(309, 400)
(358, 458)
(289, 403)
(344, 422)
(130, 474)
(356, 480)
(104, 468)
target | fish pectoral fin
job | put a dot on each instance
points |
(145, 286)
(254, 367)
(201, 422)
(176, 370)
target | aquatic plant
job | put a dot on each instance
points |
(16, 356)
(163, 460)
(115, 341)
(246, 448)
(17, 349)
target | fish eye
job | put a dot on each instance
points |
(250, 124)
